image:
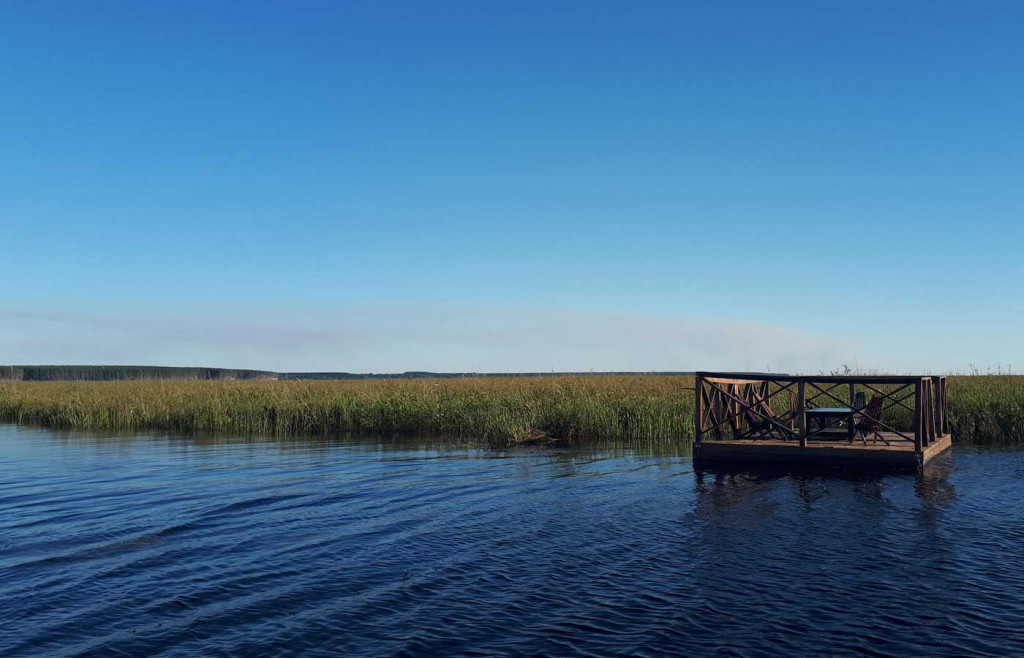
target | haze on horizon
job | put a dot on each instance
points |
(378, 187)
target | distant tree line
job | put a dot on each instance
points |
(421, 374)
(118, 373)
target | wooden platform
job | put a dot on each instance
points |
(900, 454)
(768, 417)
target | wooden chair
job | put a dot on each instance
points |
(760, 416)
(867, 422)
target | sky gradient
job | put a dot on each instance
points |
(498, 186)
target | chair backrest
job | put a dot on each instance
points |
(872, 413)
(764, 407)
(759, 412)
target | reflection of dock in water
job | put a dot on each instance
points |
(726, 486)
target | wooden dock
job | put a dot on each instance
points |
(876, 421)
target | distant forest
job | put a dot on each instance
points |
(118, 373)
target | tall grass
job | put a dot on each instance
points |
(987, 408)
(493, 410)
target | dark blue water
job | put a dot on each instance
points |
(151, 545)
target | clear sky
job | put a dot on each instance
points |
(508, 186)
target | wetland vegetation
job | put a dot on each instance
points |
(492, 410)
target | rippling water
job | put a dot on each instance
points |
(147, 545)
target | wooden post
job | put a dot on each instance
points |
(735, 391)
(801, 414)
(931, 412)
(918, 416)
(698, 410)
(926, 412)
(923, 413)
(849, 419)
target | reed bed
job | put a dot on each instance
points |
(491, 410)
(495, 411)
(987, 408)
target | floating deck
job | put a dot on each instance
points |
(755, 417)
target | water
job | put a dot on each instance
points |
(155, 545)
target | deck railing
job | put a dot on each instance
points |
(758, 406)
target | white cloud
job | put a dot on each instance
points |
(439, 339)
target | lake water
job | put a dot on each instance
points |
(156, 545)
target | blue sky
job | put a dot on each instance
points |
(378, 186)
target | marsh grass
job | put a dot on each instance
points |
(492, 410)
(987, 408)
(497, 411)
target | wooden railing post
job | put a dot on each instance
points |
(918, 416)
(801, 414)
(932, 434)
(698, 409)
(735, 390)
(929, 413)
